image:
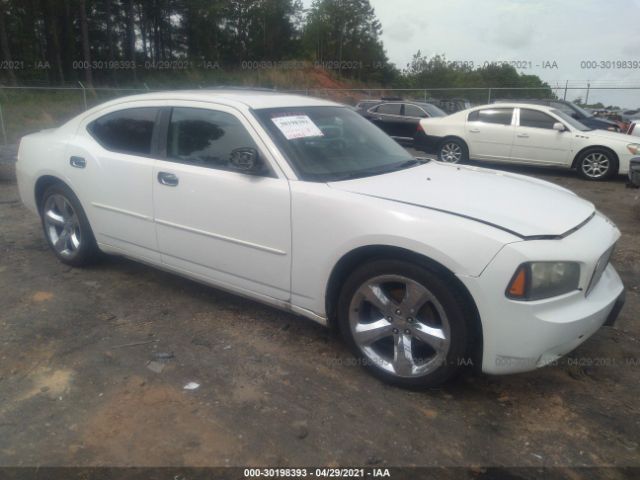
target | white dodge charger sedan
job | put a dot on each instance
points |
(527, 134)
(302, 204)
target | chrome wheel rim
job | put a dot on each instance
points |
(596, 165)
(451, 152)
(399, 326)
(62, 225)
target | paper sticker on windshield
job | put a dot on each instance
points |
(297, 126)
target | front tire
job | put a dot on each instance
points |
(453, 150)
(406, 323)
(66, 227)
(597, 164)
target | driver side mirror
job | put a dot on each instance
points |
(246, 160)
(559, 127)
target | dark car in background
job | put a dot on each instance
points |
(571, 109)
(634, 171)
(450, 105)
(398, 118)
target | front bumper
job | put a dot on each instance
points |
(523, 335)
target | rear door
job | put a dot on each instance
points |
(537, 142)
(111, 163)
(388, 116)
(489, 133)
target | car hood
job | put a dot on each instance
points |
(607, 136)
(524, 206)
(599, 121)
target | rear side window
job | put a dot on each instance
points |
(389, 108)
(499, 116)
(535, 119)
(125, 131)
(205, 137)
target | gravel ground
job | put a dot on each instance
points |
(83, 381)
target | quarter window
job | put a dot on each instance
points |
(535, 119)
(389, 108)
(205, 137)
(125, 131)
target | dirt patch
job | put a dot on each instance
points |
(146, 424)
(39, 297)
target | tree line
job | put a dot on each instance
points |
(119, 42)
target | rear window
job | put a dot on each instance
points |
(499, 116)
(125, 131)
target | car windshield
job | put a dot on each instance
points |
(326, 144)
(581, 111)
(571, 121)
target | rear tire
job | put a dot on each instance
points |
(597, 164)
(453, 150)
(66, 227)
(407, 324)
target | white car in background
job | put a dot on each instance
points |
(304, 205)
(527, 134)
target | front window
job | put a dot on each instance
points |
(205, 137)
(433, 111)
(536, 119)
(332, 143)
(571, 121)
(413, 111)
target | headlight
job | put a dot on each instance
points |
(634, 148)
(537, 280)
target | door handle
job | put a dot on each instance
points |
(522, 135)
(77, 162)
(474, 130)
(168, 179)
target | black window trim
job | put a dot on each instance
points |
(154, 132)
(163, 121)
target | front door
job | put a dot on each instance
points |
(536, 141)
(219, 224)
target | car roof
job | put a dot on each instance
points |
(538, 101)
(511, 105)
(238, 97)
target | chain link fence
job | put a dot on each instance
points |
(25, 110)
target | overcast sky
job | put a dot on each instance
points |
(565, 32)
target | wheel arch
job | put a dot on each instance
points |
(41, 185)
(453, 137)
(358, 256)
(574, 164)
